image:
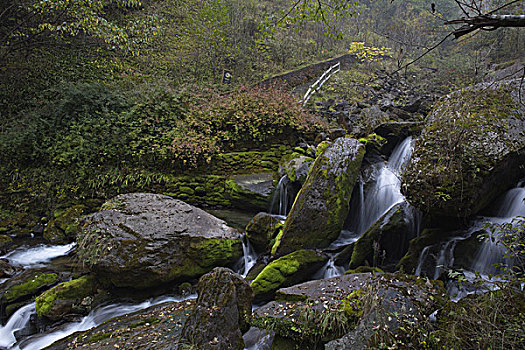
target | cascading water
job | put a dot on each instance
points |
(16, 322)
(385, 192)
(95, 318)
(281, 202)
(248, 259)
(491, 253)
(36, 256)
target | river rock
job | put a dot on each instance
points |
(342, 309)
(262, 229)
(386, 241)
(64, 225)
(288, 270)
(74, 296)
(319, 211)
(471, 150)
(141, 240)
(20, 289)
(6, 269)
(221, 313)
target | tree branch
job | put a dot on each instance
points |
(486, 22)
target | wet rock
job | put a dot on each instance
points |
(296, 168)
(143, 240)
(5, 243)
(262, 229)
(6, 270)
(319, 211)
(221, 312)
(480, 157)
(386, 241)
(346, 311)
(250, 191)
(288, 270)
(74, 296)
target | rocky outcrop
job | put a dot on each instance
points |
(288, 270)
(471, 150)
(142, 240)
(319, 211)
(347, 311)
(386, 241)
(262, 229)
(221, 312)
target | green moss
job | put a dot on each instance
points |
(73, 290)
(29, 287)
(321, 148)
(98, 337)
(280, 272)
(277, 241)
(204, 255)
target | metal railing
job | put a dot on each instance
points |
(326, 75)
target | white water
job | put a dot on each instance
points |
(332, 270)
(248, 259)
(491, 253)
(16, 322)
(95, 318)
(385, 192)
(280, 201)
(36, 256)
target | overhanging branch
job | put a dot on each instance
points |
(486, 22)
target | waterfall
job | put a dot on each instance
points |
(281, 203)
(248, 259)
(16, 322)
(36, 256)
(385, 191)
(93, 319)
(421, 260)
(507, 208)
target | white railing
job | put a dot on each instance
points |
(326, 75)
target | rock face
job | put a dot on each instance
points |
(386, 241)
(142, 240)
(288, 270)
(319, 211)
(347, 311)
(262, 229)
(221, 312)
(471, 150)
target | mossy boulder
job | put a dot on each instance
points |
(66, 298)
(386, 241)
(250, 191)
(262, 229)
(220, 315)
(288, 270)
(481, 156)
(296, 167)
(21, 224)
(63, 226)
(20, 289)
(319, 211)
(147, 240)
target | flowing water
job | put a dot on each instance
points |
(16, 322)
(93, 319)
(38, 255)
(283, 197)
(385, 191)
(248, 259)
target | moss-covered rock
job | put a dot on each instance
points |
(5, 243)
(296, 167)
(386, 241)
(481, 156)
(319, 211)
(153, 239)
(288, 270)
(21, 224)
(66, 298)
(27, 285)
(262, 229)
(63, 226)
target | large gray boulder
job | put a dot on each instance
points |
(471, 150)
(141, 240)
(319, 211)
(221, 312)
